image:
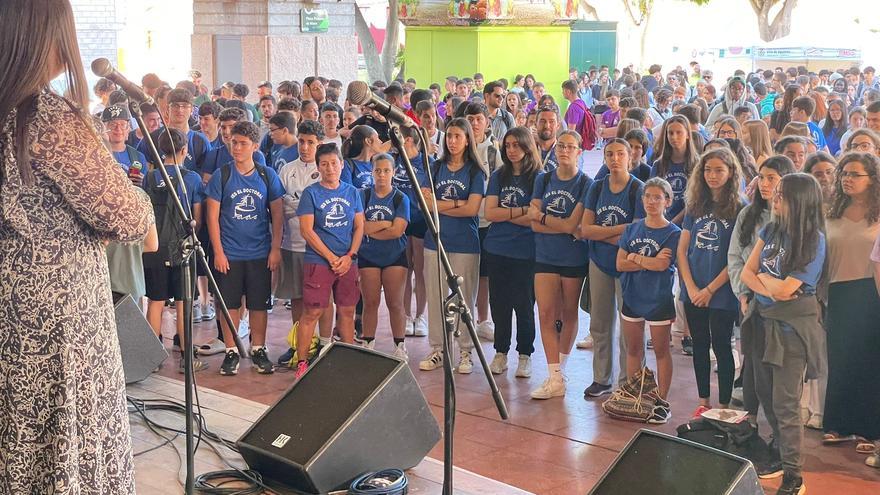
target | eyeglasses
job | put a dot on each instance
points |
(180, 106)
(566, 147)
(852, 175)
(654, 198)
(271, 130)
(863, 146)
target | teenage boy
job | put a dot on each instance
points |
(245, 219)
(282, 132)
(161, 274)
(179, 111)
(216, 158)
(209, 122)
(116, 122)
(802, 109)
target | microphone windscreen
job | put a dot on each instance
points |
(358, 93)
(101, 67)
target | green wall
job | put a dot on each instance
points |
(434, 52)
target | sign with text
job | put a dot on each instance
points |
(314, 20)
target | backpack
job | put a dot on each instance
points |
(632, 192)
(226, 172)
(398, 198)
(589, 129)
(582, 183)
(740, 439)
(168, 224)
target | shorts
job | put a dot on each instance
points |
(484, 255)
(205, 241)
(663, 315)
(289, 276)
(163, 283)
(400, 261)
(563, 271)
(251, 279)
(417, 229)
(320, 282)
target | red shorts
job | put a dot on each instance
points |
(320, 281)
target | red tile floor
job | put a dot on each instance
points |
(558, 446)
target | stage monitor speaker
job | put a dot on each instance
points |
(354, 411)
(654, 463)
(141, 350)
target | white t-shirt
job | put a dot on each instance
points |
(295, 177)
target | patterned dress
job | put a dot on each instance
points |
(63, 420)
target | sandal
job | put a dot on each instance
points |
(833, 438)
(865, 448)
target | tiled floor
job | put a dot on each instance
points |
(560, 446)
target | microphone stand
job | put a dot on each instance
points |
(454, 308)
(190, 247)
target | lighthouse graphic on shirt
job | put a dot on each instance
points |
(557, 206)
(337, 212)
(245, 208)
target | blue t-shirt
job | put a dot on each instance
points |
(125, 161)
(817, 135)
(506, 238)
(548, 158)
(771, 264)
(707, 256)
(459, 234)
(197, 148)
(611, 210)
(334, 211)
(244, 212)
(281, 156)
(362, 175)
(646, 291)
(384, 252)
(642, 172)
(559, 199)
(195, 190)
(677, 177)
(401, 181)
(216, 158)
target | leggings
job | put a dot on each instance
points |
(512, 289)
(711, 326)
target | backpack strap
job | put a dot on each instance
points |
(368, 193)
(133, 156)
(225, 173)
(398, 198)
(546, 179)
(632, 193)
(581, 185)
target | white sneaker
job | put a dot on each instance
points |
(552, 387)
(400, 352)
(815, 422)
(432, 361)
(208, 312)
(586, 343)
(712, 356)
(499, 363)
(371, 345)
(244, 329)
(420, 326)
(486, 331)
(197, 313)
(465, 366)
(524, 368)
(409, 327)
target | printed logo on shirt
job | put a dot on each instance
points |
(378, 213)
(245, 204)
(449, 189)
(772, 265)
(678, 181)
(334, 215)
(558, 202)
(707, 237)
(644, 246)
(610, 215)
(509, 197)
(315, 175)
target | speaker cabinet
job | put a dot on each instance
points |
(141, 350)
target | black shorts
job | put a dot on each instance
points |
(163, 283)
(662, 315)
(417, 229)
(205, 240)
(562, 271)
(251, 279)
(484, 255)
(400, 261)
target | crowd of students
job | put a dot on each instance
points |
(753, 206)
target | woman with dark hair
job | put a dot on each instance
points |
(835, 125)
(639, 145)
(779, 118)
(678, 157)
(62, 195)
(863, 140)
(728, 128)
(510, 250)
(821, 166)
(852, 401)
(513, 103)
(357, 150)
(529, 86)
(459, 182)
(781, 329)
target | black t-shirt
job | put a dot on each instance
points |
(381, 127)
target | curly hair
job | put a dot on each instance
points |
(840, 201)
(698, 198)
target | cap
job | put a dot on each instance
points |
(265, 84)
(195, 74)
(115, 112)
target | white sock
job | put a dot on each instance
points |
(325, 341)
(233, 349)
(562, 359)
(554, 369)
(256, 348)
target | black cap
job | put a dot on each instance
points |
(115, 112)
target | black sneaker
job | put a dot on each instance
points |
(175, 343)
(261, 362)
(197, 364)
(230, 364)
(358, 331)
(596, 390)
(770, 469)
(558, 326)
(285, 358)
(792, 484)
(687, 346)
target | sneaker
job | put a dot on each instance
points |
(288, 305)
(175, 343)
(698, 412)
(499, 363)
(261, 361)
(486, 331)
(524, 367)
(687, 346)
(792, 484)
(211, 347)
(197, 365)
(244, 329)
(815, 422)
(230, 364)
(301, 368)
(586, 343)
(432, 361)
(271, 304)
(208, 312)
(650, 344)
(420, 326)
(465, 365)
(197, 313)
(596, 390)
(285, 358)
(358, 330)
(659, 416)
(736, 397)
(770, 469)
(554, 386)
(873, 460)
(400, 352)
(371, 345)
(409, 327)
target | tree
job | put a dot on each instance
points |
(379, 67)
(781, 24)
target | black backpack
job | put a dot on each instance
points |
(632, 192)
(226, 172)
(740, 439)
(581, 185)
(398, 197)
(168, 224)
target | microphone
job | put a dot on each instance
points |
(359, 94)
(101, 67)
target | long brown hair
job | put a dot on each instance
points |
(31, 31)
(759, 139)
(841, 201)
(531, 162)
(698, 197)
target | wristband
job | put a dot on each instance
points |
(511, 213)
(544, 219)
(455, 203)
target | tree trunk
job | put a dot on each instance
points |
(646, 20)
(391, 45)
(368, 46)
(780, 26)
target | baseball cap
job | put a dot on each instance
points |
(115, 112)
